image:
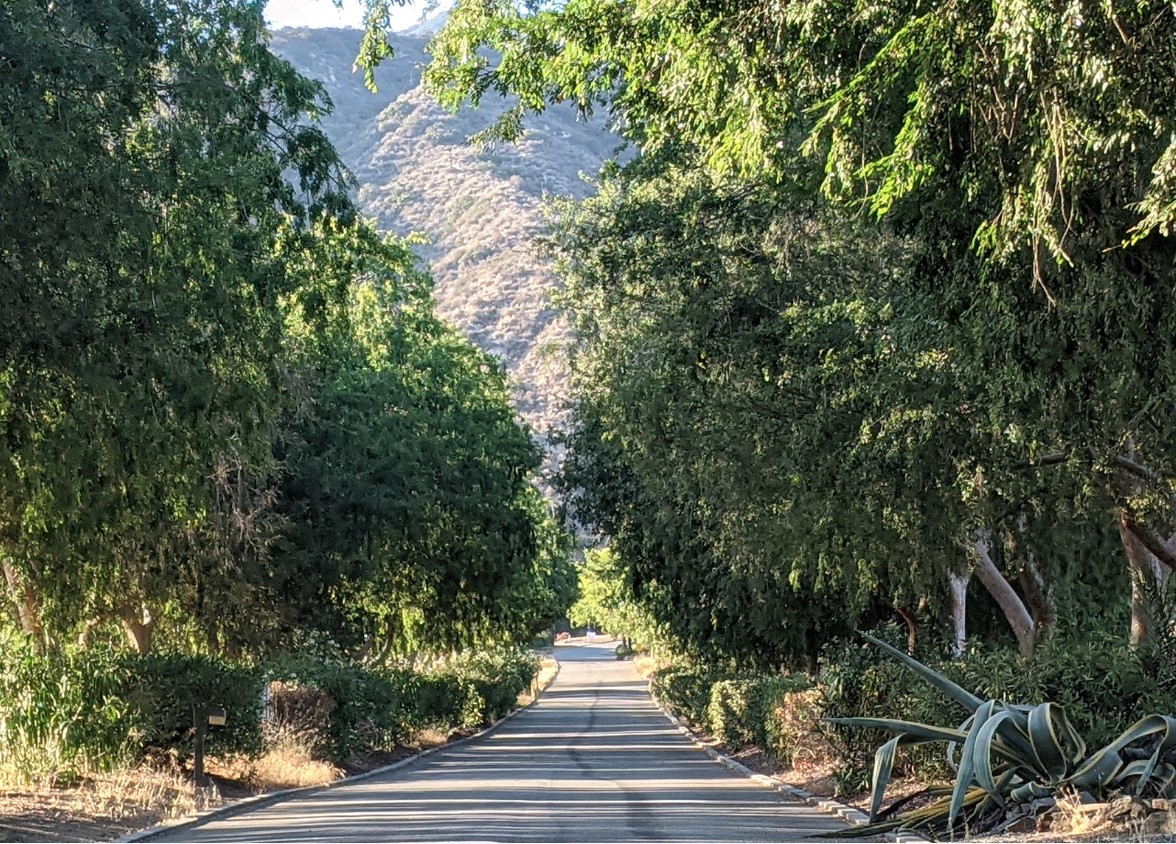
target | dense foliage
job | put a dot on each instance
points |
(1006, 757)
(81, 710)
(229, 417)
(881, 306)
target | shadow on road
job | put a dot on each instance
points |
(594, 760)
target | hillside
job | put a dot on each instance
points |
(481, 210)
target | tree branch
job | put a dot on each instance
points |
(1149, 540)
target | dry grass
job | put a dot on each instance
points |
(292, 759)
(291, 765)
(548, 668)
(429, 738)
(101, 806)
(647, 665)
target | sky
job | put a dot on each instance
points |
(317, 13)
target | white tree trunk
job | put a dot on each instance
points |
(1010, 603)
(959, 611)
(1144, 568)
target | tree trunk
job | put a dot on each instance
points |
(1145, 569)
(959, 611)
(1040, 598)
(912, 629)
(139, 629)
(1010, 603)
(28, 610)
(88, 632)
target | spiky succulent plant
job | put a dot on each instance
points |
(1008, 754)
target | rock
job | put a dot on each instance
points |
(1158, 823)
(1127, 807)
(1025, 824)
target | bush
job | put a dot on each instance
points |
(686, 691)
(84, 710)
(741, 711)
(446, 701)
(63, 714)
(487, 685)
(167, 692)
(368, 709)
(794, 729)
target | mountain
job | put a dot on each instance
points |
(481, 210)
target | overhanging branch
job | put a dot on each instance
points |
(1149, 540)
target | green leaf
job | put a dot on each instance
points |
(1098, 771)
(1047, 747)
(910, 730)
(966, 773)
(883, 764)
(960, 695)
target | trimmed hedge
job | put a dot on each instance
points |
(737, 710)
(742, 710)
(368, 710)
(80, 710)
(165, 691)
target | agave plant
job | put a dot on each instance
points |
(1006, 755)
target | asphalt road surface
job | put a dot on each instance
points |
(593, 760)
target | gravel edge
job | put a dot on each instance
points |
(250, 803)
(850, 814)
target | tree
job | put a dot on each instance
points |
(143, 192)
(408, 499)
(1016, 157)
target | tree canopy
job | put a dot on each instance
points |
(881, 301)
(228, 413)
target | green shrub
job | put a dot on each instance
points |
(741, 710)
(63, 714)
(371, 708)
(686, 691)
(474, 689)
(166, 693)
(83, 710)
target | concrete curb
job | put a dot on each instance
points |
(250, 803)
(851, 815)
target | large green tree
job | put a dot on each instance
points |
(146, 155)
(1023, 157)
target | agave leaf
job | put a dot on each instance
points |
(1027, 791)
(952, 757)
(982, 756)
(1167, 742)
(957, 693)
(1142, 728)
(966, 773)
(1014, 730)
(883, 764)
(1048, 748)
(1097, 771)
(911, 730)
(1164, 776)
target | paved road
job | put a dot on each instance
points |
(594, 760)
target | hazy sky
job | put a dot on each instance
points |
(282, 13)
